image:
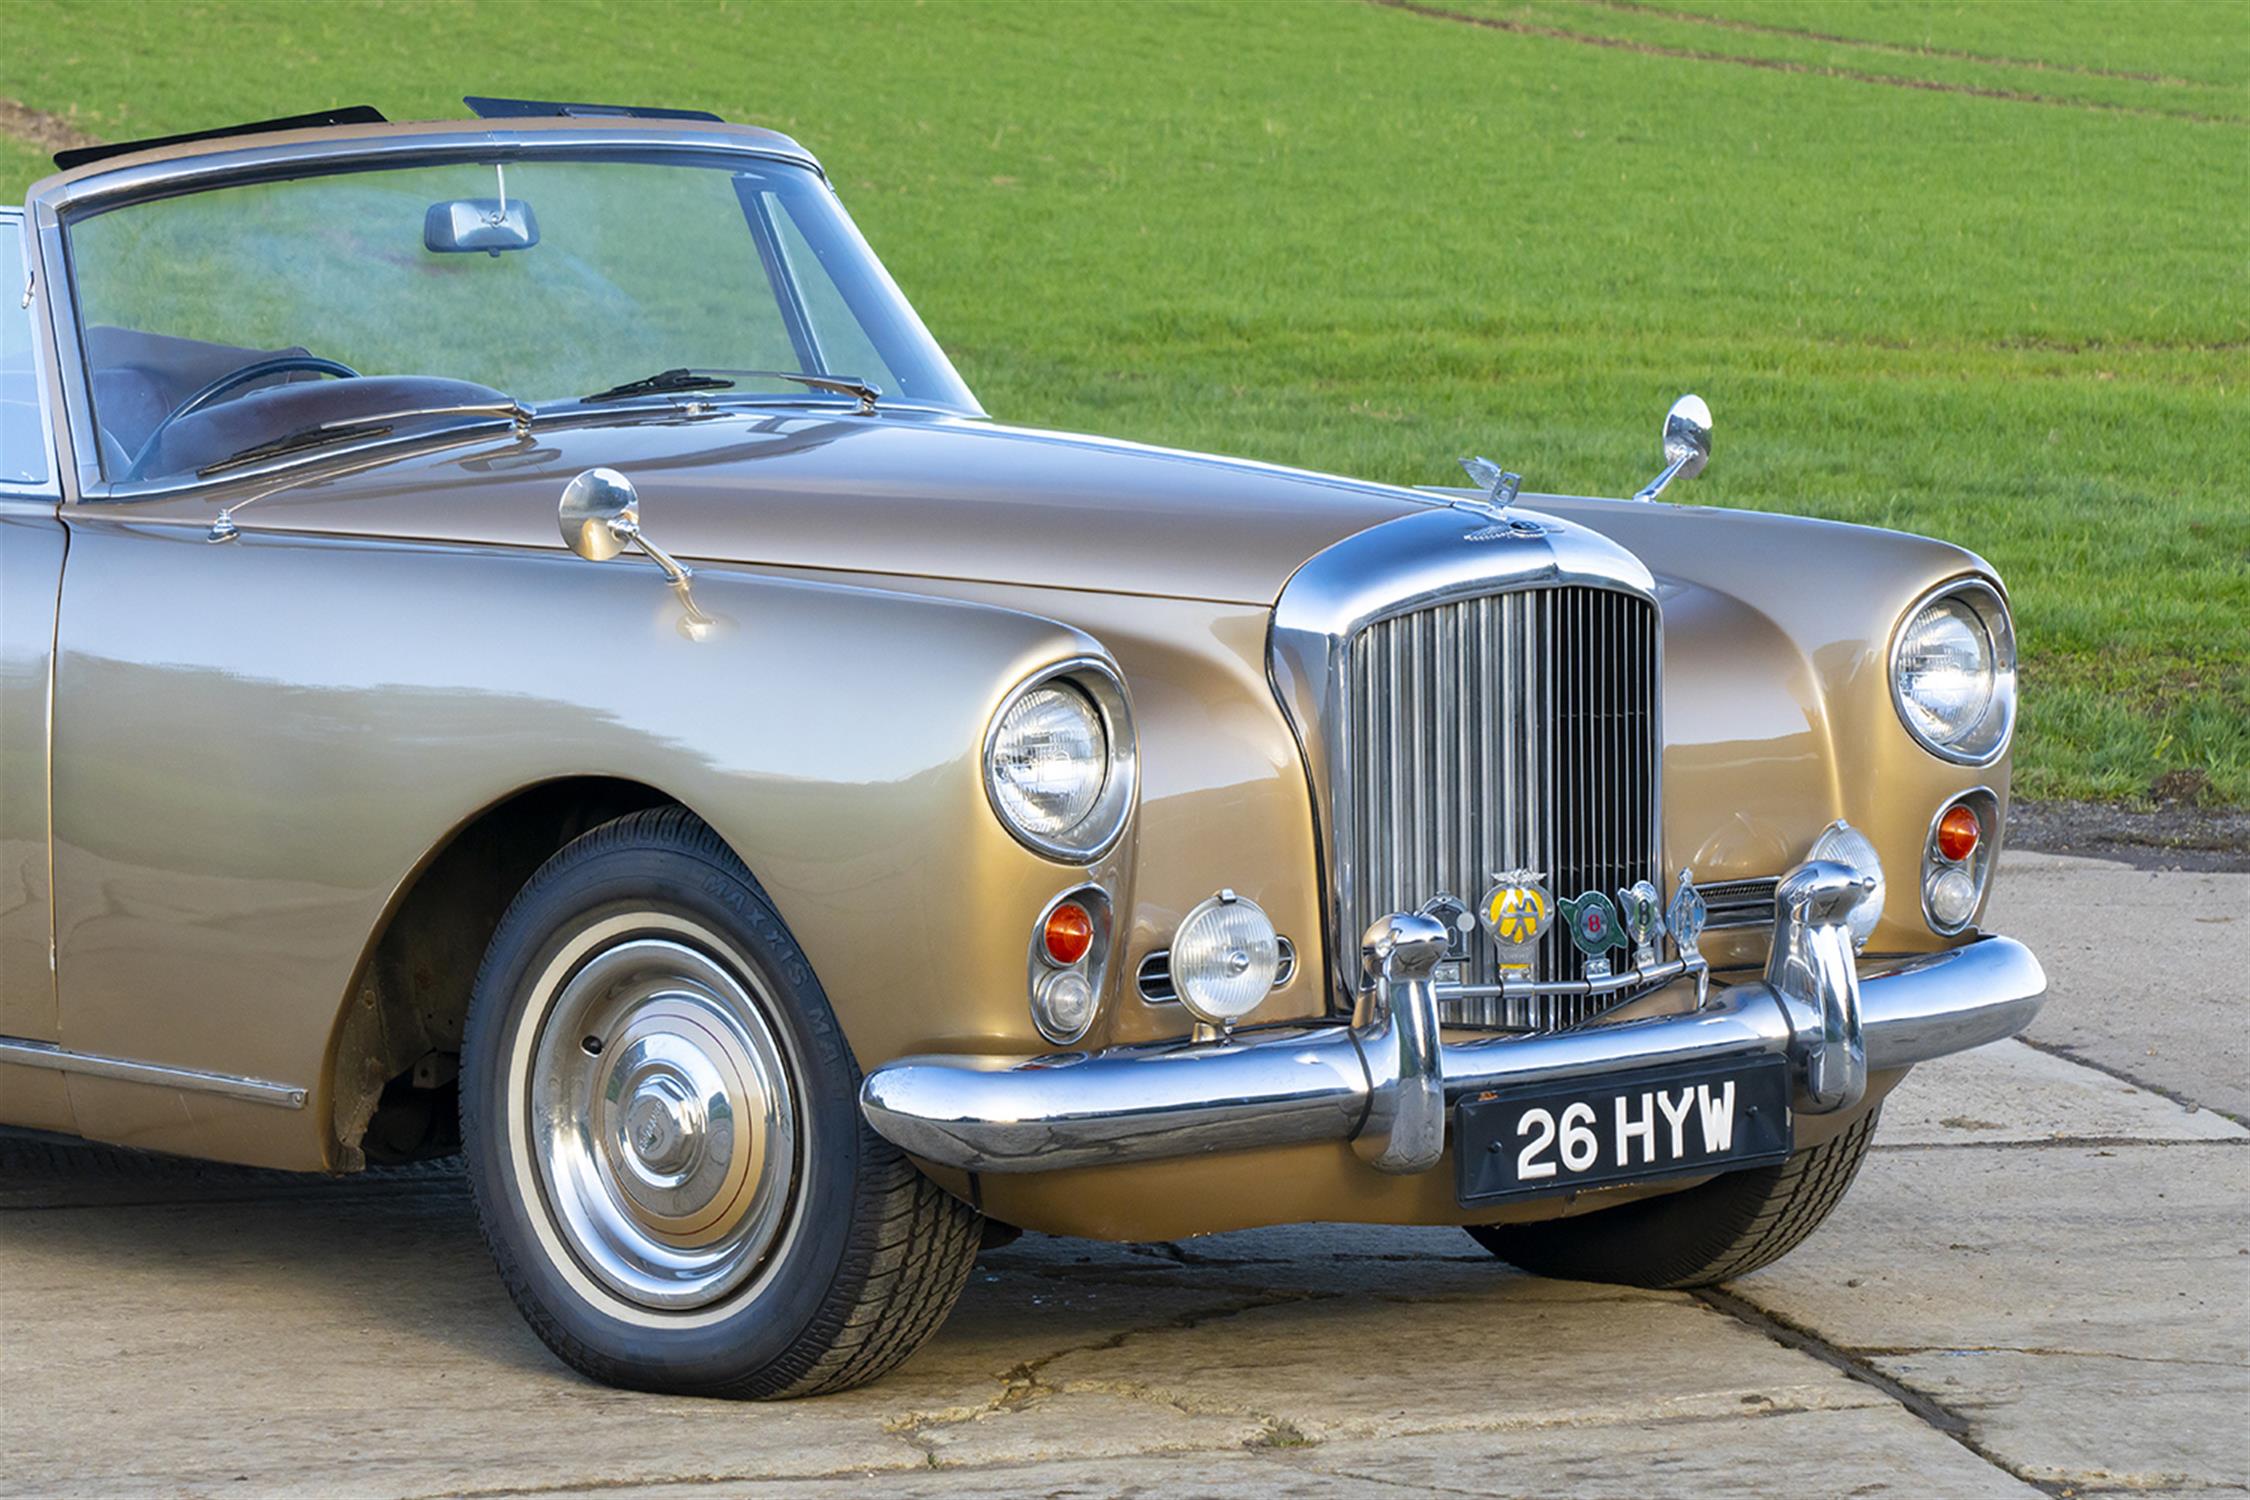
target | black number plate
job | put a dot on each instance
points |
(1662, 1122)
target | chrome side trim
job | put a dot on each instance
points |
(1288, 1085)
(1430, 557)
(229, 1085)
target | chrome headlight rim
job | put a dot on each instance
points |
(1985, 601)
(1096, 833)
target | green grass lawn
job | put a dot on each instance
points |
(1976, 270)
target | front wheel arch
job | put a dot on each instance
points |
(399, 1027)
(869, 1256)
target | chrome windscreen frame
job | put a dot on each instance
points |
(292, 155)
(1430, 557)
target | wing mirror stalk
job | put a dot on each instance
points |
(1687, 444)
(601, 516)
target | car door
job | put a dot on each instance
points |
(32, 542)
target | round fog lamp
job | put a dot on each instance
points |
(1846, 845)
(1063, 1005)
(1952, 897)
(1224, 959)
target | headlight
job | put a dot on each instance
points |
(1059, 761)
(1846, 845)
(1953, 673)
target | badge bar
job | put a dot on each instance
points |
(1517, 910)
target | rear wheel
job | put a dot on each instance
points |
(1724, 1228)
(661, 1121)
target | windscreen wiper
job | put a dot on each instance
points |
(373, 425)
(291, 442)
(666, 382)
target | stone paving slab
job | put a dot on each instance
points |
(2085, 1421)
(2132, 1250)
(2087, 1309)
(1368, 1367)
(1879, 1452)
(2011, 1093)
(2148, 971)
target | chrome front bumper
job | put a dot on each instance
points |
(1387, 1083)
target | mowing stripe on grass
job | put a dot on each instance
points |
(1901, 49)
(1780, 65)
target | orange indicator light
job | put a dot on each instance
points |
(1958, 832)
(1069, 933)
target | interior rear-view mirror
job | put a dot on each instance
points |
(488, 224)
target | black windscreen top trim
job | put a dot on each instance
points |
(343, 114)
(485, 108)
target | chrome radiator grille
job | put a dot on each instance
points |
(1507, 731)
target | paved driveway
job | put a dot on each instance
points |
(2040, 1284)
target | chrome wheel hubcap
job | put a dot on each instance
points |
(663, 1123)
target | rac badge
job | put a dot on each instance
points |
(1514, 914)
(1688, 915)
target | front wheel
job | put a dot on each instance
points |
(1714, 1232)
(661, 1121)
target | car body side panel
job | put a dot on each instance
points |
(1223, 797)
(32, 546)
(31, 561)
(259, 742)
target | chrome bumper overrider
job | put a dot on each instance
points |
(1387, 1082)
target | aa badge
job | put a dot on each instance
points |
(1514, 914)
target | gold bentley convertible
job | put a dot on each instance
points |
(518, 644)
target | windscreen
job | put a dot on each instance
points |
(543, 280)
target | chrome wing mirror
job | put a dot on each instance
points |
(1687, 444)
(601, 517)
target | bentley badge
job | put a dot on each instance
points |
(1594, 927)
